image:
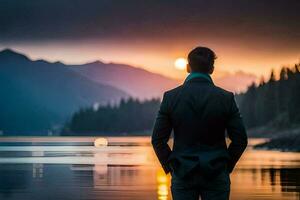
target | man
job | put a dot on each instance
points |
(199, 113)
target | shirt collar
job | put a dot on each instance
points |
(198, 75)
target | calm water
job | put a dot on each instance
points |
(72, 168)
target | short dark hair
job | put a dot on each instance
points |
(201, 59)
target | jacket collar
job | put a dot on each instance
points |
(196, 76)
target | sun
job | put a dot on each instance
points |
(180, 63)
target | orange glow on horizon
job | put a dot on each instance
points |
(158, 58)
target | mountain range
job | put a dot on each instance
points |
(37, 95)
(137, 82)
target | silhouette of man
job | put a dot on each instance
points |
(199, 113)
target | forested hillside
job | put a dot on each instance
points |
(130, 115)
(275, 102)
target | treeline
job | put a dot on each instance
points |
(131, 115)
(275, 102)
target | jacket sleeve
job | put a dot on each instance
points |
(161, 134)
(237, 134)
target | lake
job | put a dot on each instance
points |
(72, 168)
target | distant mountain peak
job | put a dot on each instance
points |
(96, 62)
(9, 53)
(58, 63)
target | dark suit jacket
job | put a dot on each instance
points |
(199, 113)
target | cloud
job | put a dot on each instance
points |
(33, 20)
(236, 82)
(254, 36)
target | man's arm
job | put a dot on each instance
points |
(161, 133)
(236, 133)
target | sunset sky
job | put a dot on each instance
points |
(250, 36)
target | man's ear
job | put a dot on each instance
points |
(212, 70)
(188, 68)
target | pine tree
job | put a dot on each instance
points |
(272, 76)
(275, 100)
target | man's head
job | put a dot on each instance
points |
(201, 59)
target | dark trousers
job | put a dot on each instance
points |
(195, 185)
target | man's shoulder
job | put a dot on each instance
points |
(213, 89)
(222, 91)
(173, 91)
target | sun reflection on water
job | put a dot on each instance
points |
(162, 185)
